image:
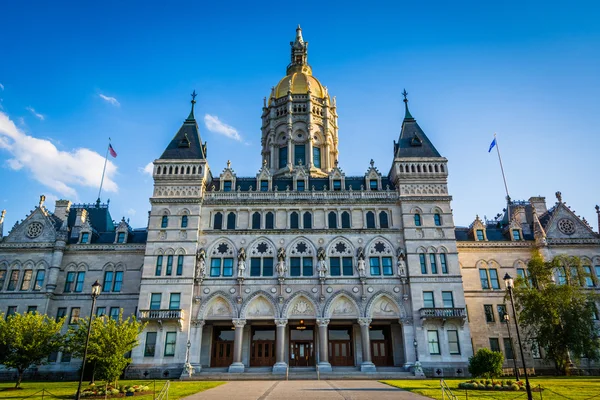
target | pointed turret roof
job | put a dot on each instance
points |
(413, 142)
(186, 144)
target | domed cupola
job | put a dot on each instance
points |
(299, 120)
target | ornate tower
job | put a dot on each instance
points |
(299, 120)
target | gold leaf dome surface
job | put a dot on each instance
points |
(300, 82)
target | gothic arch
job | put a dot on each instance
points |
(159, 252)
(481, 264)
(164, 211)
(519, 264)
(184, 211)
(442, 249)
(340, 306)
(310, 251)
(213, 247)
(289, 312)
(169, 252)
(260, 305)
(388, 250)
(494, 264)
(331, 247)
(270, 252)
(217, 306)
(180, 251)
(382, 305)
(416, 210)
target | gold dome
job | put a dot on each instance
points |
(300, 82)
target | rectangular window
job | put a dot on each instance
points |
(347, 266)
(68, 282)
(32, 309)
(300, 185)
(448, 300)
(174, 301)
(423, 263)
(215, 267)
(264, 186)
(494, 344)
(155, 301)
(255, 266)
(100, 311)
(261, 265)
(267, 267)
(443, 263)
(295, 263)
(66, 357)
(594, 310)
(433, 264)
(434, 342)
(12, 310)
(184, 221)
(494, 279)
(39, 280)
(501, 312)
(508, 350)
(317, 157)
(307, 266)
(589, 282)
(535, 350)
(480, 234)
(428, 300)
(516, 234)
(108, 281)
(164, 222)
(483, 277)
(158, 269)
(596, 269)
(170, 341)
(52, 357)
(283, 157)
(118, 281)
(375, 266)
(373, 184)
(60, 313)
(79, 282)
(85, 237)
(227, 186)
(386, 263)
(169, 270)
(12, 282)
(228, 267)
(74, 317)
(2, 278)
(337, 185)
(150, 346)
(26, 283)
(334, 266)
(453, 345)
(121, 237)
(114, 313)
(562, 276)
(179, 265)
(300, 154)
(489, 313)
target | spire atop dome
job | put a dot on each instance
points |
(299, 38)
(407, 114)
(191, 116)
(299, 61)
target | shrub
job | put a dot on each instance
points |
(514, 387)
(486, 363)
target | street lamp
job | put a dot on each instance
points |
(96, 287)
(416, 350)
(506, 318)
(508, 281)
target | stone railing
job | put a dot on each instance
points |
(307, 195)
(442, 313)
(163, 315)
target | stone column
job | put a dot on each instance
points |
(290, 148)
(311, 143)
(324, 365)
(237, 365)
(272, 162)
(367, 365)
(280, 366)
(196, 349)
(54, 270)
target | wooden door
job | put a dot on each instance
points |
(302, 354)
(340, 353)
(262, 353)
(380, 353)
(222, 355)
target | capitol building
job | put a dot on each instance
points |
(299, 267)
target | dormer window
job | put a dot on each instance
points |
(516, 234)
(164, 221)
(227, 186)
(417, 219)
(300, 186)
(121, 237)
(264, 186)
(480, 234)
(85, 237)
(373, 184)
(337, 185)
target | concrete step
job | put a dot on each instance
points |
(293, 374)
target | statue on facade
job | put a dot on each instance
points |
(401, 262)
(362, 268)
(241, 262)
(322, 264)
(200, 264)
(281, 269)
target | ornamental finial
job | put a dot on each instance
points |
(558, 196)
(407, 114)
(191, 116)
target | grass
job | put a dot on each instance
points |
(563, 388)
(67, 390)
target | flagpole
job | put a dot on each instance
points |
(503, 176)
(103, 171)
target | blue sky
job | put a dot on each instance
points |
(74, 74)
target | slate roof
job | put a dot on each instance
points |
(186, 144)
(413, 142)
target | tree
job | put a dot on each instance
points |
(486, 363)
(558, 316)
(27, 340)
(110, 340)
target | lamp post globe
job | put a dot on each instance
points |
(96, 289)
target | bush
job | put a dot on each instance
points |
(486, 363)
(514, 387)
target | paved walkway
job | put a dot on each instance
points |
(308, 390)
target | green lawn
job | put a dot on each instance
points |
(67, 390)
(577, 388)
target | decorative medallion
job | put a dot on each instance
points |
(566, 226)
(34, 230)
(329, 289)
(396, 289)
(273, 290)
(288, 290)
(206, 290)
(314, 290)
(232, 290)
(162, 235)
(355, 289)
(370, 289)
(247, 290)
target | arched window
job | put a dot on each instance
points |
(158, 170)
(383, 220)
(444, 263)
(417, 219)
(269, 220)
(371, 220)
(346, 220)
(423, 263)
(332, 220)
(283, 156)
(221, 261)
(218, 223)
(262, 259)
(301, 259)
(380, 260)
(176, 170)
(184, 221)
(437, 219)
(231, 220)
(194, 170)
(256, 220)
(171, 170)
(164, 221)
(294, 220)
(307, 220)
(188, 170)
(341, 259)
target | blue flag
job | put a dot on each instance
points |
(492, 145)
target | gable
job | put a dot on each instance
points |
(36, 228)
(564, 224)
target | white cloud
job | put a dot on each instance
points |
(111, 100)
(214, 124)
(131, 212)
(35, 114)
(56, 169)
(1, 86)
(148, 169)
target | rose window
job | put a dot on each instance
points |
(566, 226)
(34, 230)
